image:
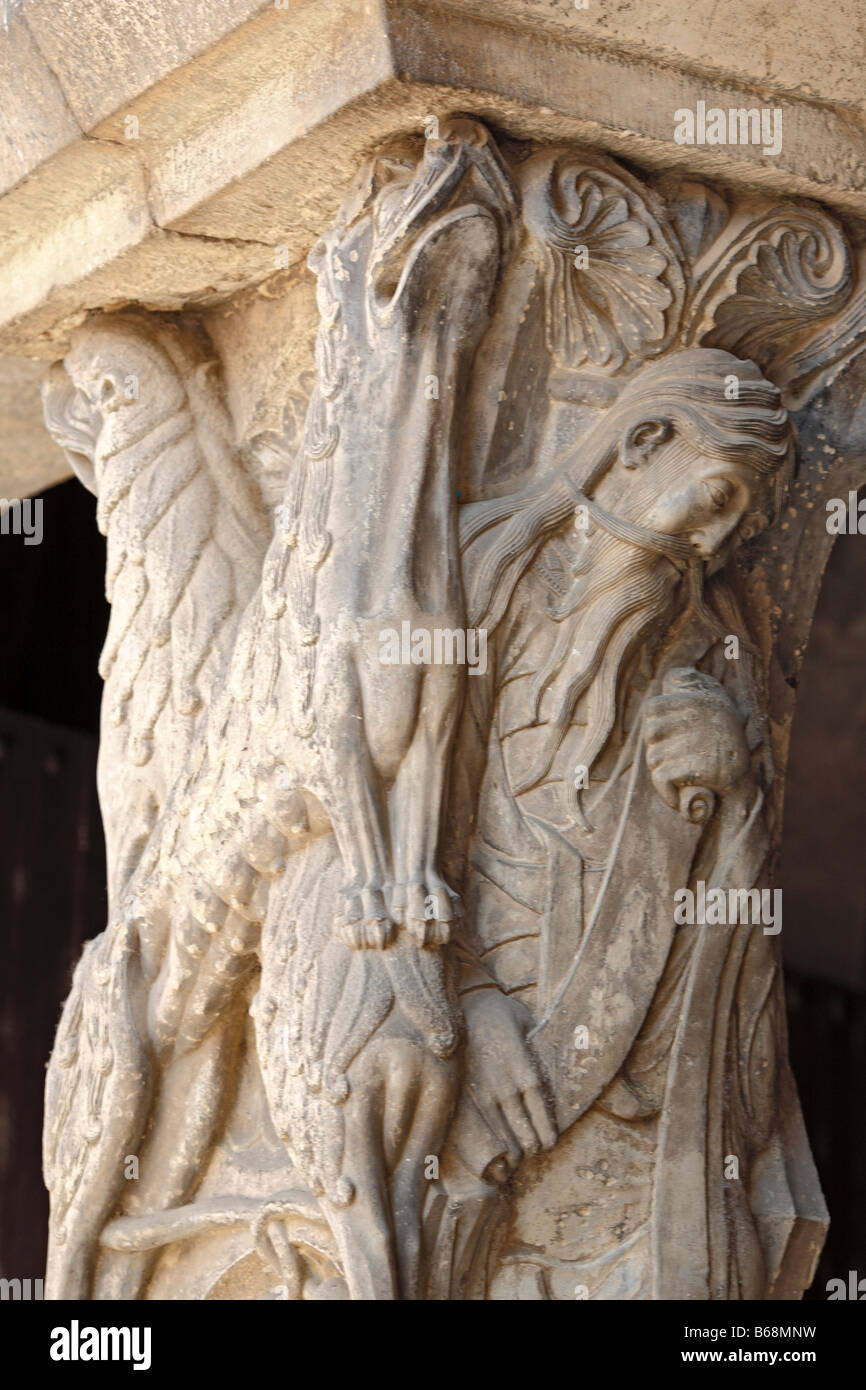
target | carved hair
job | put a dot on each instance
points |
(687, 389)
(747, 426)
(724, 407)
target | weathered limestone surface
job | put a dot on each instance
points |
(37, 120)
(66, 64)
(464, 479)
(248, 120)
(791, 47)
(459, 587)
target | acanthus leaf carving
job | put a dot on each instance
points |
(784, 275)
(625, 302)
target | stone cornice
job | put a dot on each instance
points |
(244, 148)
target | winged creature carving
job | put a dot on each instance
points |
(422, 886)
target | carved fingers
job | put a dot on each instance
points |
(538, 1108)
(503, 1076)
(694, 737)
(527, 1127)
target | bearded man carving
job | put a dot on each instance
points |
(623, 757)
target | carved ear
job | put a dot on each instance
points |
(642, 438)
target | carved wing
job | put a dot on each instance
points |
(138, 410)
(136, 406)
(96, 1081)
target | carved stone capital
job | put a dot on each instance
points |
(459, 587)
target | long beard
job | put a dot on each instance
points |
(602, 623)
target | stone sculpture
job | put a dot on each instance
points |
(392, 1001)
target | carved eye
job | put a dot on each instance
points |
(718, 491)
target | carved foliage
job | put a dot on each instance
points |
(613, 282)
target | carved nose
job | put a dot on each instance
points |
(710, 538)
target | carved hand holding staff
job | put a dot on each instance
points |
(447, 904)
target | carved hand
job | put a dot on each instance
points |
(503, 1075)
(694, 736)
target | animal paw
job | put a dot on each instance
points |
(427, 910)
(364, 923)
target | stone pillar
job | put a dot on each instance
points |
(464, 527)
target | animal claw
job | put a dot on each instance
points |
(429, 932)
(431, 907)
(364, 923)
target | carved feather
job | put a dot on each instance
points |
(186, 532)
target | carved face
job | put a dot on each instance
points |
(705, 504)
(661, 481)
(126, 386)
